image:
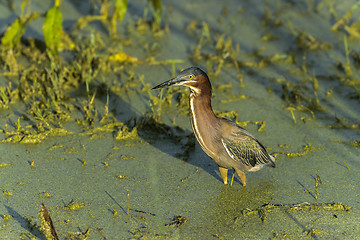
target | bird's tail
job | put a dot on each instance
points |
(271, 162)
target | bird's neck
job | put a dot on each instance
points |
(203, 119)
(200, 105)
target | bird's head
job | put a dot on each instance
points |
(192, 77)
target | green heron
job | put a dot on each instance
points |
(229, 145)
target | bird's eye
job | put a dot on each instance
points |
(191, 76)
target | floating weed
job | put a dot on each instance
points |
(177, 221)
(157, 10)
(122, 177)
(306, 149)
(305, 41)
(261, 124)
(47, 226)
(127, 157)
(225, 52)
(218, 236)
(72, 150)
(315, 90)
(5, 164)
(74, 205)
(6, 217)
(284, 145)
(56, 146)
(8, 95)
(6, 192)
(341, 124)
(281, 235)
(27, 136)
(345, 19)
(127, 202)
(124, 133)
(16, 30)
(300, 108)
(347, 166)
(353, 143)
(122, 57)
(52, 28)
(302, 207)
(79, 235)
(235, 116)
(317, 183)
(115, 213)
(118, 15)
(235, 99)
(189, 176)
(82, 160)
(110, 156)
(348, 71)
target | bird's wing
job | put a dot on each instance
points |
(244, 147)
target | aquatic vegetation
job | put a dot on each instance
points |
(124, 133)
(8, 95)
(177, 221)
(306, 149)
(233, 115)
(127, 157)
(189, 176)
(74, 205)
(5, 164)
(47, 91)
(45, 194)
(343, 22)
(47, 226)
(52, 28)
(6, 217)
(16, 30)
(341, 123)
(56, 146)
(354, 143)
(317, 183)
(122, 177)
(224, 51)
(302, 207)
(6, 192)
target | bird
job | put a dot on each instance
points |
(226, 143)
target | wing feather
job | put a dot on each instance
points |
(244, 147)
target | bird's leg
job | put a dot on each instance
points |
(242, 176)
(223, 173)
(232, 178)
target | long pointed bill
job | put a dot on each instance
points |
(174, 81)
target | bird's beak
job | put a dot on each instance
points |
(174, 81)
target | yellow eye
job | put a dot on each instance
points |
(191, 76)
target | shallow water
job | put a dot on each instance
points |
(162, 185)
